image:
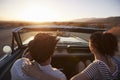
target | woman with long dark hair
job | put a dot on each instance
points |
(104, 67)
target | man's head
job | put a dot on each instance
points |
(41, 48)
(116, 31)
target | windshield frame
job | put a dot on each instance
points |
(17, 31)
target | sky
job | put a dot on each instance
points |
(57, 10)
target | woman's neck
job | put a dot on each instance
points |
(106, 59)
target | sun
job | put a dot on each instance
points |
(37, 13)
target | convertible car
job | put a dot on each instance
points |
(71, 48)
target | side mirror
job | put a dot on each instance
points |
(7, 49)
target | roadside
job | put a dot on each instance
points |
(5, 38)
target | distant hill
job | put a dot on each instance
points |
(109, 19)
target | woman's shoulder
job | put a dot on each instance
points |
(94, 63)
(91, 71)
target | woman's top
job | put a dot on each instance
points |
(98, 70)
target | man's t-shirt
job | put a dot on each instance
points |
(17, 74)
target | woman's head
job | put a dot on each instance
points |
(104, 43)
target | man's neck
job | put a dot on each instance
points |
(44, 64)
(47, 62)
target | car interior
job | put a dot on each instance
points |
(65, 58)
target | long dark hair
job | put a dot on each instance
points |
(105, 43)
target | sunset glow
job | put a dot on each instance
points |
(37, 13)
(57, 10)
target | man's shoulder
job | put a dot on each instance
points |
(57, 70)
(16, 70)
(53, 71)
(59, 73)
(20, 62)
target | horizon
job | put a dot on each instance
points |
(57, 10)
(73, 20)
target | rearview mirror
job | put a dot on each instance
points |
(7, 49)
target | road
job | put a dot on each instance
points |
(5, 38)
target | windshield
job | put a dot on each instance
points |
(65, 38)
